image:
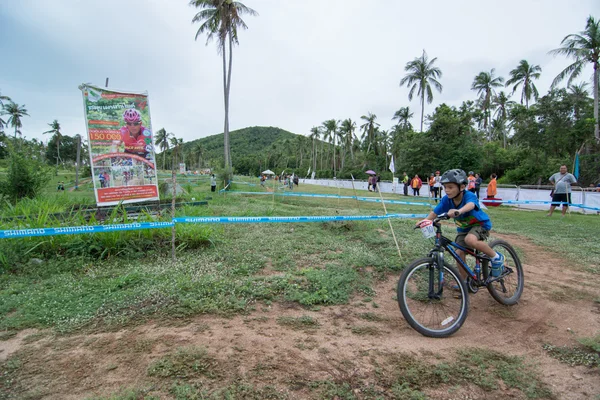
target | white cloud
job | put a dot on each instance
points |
(298, 64)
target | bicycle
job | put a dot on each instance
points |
(431, 294)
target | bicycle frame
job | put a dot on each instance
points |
(442, 244)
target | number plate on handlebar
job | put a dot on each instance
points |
(427, 229)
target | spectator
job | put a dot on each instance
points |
(405, 183)
(492, 190)
(471, 182)
(561, 194)
(213, 183)
(416, 184)
(431, 183)
(437, 186)
(478, 182)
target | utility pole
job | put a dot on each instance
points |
(106, 84)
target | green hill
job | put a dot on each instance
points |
(252, 149)
(244, 142)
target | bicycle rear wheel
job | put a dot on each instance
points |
(433, 300)
(508, 289)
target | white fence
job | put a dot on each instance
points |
(507, 193)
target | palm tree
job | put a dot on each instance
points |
(222, 18)
(347, 130)
(331, 128)
(421, 76)
(403, 115)
(368, 129)
(199, 152)
(584, 47)
(524, 75)
(2, 100)
(315, 134)
(579, 96)
(55, 131)
(502, 104)
(485, 83)
(15, 112)
(162, 141)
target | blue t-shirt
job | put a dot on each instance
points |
(468, 220)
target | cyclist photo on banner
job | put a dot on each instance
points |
(136, 138)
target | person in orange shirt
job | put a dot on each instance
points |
(431, 183)
(416, 184)
(492, 191)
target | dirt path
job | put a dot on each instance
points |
(557, 307)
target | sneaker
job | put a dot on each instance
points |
(498, 265)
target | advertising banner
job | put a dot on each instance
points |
(120, 145)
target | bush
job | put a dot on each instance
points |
(25, 178)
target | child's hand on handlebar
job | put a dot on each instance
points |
(453, 213)
(418, 224)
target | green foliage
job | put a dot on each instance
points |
(576, 355)
(24, 178)
(331, 285)
(186, 363)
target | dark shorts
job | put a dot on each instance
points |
(558, 198)
(479, 231)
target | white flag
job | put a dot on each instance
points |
(392, 167)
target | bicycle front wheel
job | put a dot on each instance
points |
(433, 299)
(508, 289)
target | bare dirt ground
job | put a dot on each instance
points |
(557, 307)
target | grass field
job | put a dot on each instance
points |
(236, 269)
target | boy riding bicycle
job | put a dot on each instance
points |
(473, 225)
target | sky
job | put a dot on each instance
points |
(300, 62)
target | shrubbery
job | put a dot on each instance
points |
(25, 178)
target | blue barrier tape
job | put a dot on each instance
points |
(541, 202)
(75, 230)
(335, 196)
(412, 203)
(325, 218)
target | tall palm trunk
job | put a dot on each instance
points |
(230, 166)
(422, 108)
(226, 104)
(596, 126)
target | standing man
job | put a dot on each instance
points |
(213, 183)
(478, 182)
(405, 182)
(562, 189)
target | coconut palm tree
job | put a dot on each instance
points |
(403, 115)
(523, 75)
(502, 104)
(55, 131)
(579, 96)
(484, 83)
(2, 100)
(199, 152)
(222, 19)
(368, 129)
(15, 112)
(421, 76)
(315, 134)
(161, 139)
(331, 127)
(347, 129)
(584, 48)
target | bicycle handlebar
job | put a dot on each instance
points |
(441, 217)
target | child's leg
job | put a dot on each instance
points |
(460, 239)
(475, 239)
